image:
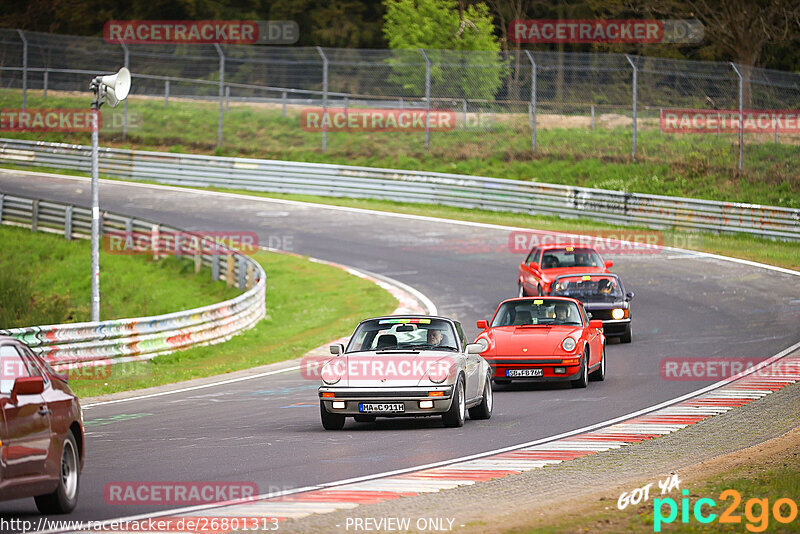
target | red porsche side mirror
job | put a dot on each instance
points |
(483, 325)
(534, 266)
(609, 264)
(596, 323)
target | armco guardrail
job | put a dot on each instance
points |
(104, 342)
(413, 186)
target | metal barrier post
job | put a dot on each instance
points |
(24, 69)
(592, 116)
(125, 103)
(324, 98)
(464, 110)
(635, 76)
(227, 98)
(2, 197)
(242, 272)
(776, 128)
(533, 101)
(661, 120)
(427, 99)
(283, 107)
(214, 267)
(44, 84)
(741, 114)
(68, 223)
(166, 93)
(221, 92)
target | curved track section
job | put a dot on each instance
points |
(267, 430)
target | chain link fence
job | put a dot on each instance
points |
(492, 102)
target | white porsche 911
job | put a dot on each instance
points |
(405, 366)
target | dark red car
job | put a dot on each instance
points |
(543, 339)
(546, 262)
(41, 437)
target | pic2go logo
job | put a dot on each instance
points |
(756, 511)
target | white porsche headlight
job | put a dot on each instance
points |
(332, 371)
(568, 344)
(617, 313)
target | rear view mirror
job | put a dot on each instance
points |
(596, 323)
(404, 328)
(629, 295)
(609, 264)
(337, 348)
(483, 325)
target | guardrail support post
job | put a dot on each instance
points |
(44, 84)
(227, 98)
(324, 98)
(635, 83)
(221, 92)
(198, 260)
(24, 69)
(214, 267)
(283, 104)
(741, 114)
(68, 223)
(229, 271)
(464, 110)
(154, 239)
(35, 216)
(2, 197)
(242, 272)
(250, 272)
(592, 116)
(776, 129)
(427, 99)
(533, 101)
(166, 93)
(661, 121)
(127, 60)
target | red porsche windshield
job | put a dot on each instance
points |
(537, 312)
(558, 258)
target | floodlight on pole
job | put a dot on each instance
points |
(111, 89)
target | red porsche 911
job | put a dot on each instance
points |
(546, 262)
(543, 339)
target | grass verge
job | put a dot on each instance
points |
(45, 279)
(691, 165)
(308, 304)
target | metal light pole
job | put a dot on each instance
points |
(111, 89)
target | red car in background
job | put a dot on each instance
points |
(41, 431)
(546, 262)
(543, 339)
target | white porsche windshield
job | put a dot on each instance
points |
(400, 333)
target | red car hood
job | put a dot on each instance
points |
(538, 340)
